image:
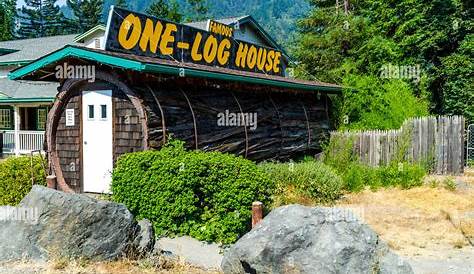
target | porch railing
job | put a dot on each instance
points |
(29, 141)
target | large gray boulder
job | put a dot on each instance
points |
(299, 239)
(59, 224)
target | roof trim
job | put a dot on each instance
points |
(155, 68)
(12, 63)
(84, 35)
(27, 100)
(122, 62)
(69, 51)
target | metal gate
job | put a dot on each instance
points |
(470, 145)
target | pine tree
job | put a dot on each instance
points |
(32, 22)
(7, 16)
(161, 9)
(121, 4)
(41, 18)
(199, 8)
(87, 14)
(54, 19)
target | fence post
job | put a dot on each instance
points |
(257, 213)
(51, 181)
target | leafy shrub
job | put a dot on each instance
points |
(207, 195)
(311, 179)
(15, 178)
(356, 175)
(405, 175)
(470, 163)
(449, 183)
(338, 154)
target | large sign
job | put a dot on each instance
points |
(135, 33)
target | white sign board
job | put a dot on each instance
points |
(69, 117)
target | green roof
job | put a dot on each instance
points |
(161, 66)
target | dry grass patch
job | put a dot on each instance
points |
(418, 220)
(63, 266)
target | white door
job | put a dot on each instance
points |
(97, 159)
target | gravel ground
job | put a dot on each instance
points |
(459, 261)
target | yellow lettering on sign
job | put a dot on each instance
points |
(269, 65)
(167, 38)
(195, 50)
(252, 57)
(223, 53)
(276, 64)
(130, 23)
(261, 58)
(210, 49)
(241, 55)
(221, 29)
(151, 35)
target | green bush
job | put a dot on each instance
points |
(357, 176)
(15, 178)
(207, 195)
(470, 163)
(310, 178)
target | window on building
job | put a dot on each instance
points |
(103, 111)
(42, 114)
(5, 118)
(91, 112)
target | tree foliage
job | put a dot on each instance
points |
(87, 14)
(173, 10)
(7, 16)
(121, 4)
(430, 35)
(162, 9)
(39, 18)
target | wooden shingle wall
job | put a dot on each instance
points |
(127, 127)
(68, 144)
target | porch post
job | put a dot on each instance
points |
(16, 128)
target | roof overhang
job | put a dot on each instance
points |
(9, 100)
(158, 66)
(82, 37)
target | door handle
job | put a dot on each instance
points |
(85, 142)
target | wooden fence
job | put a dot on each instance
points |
(438, 141)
